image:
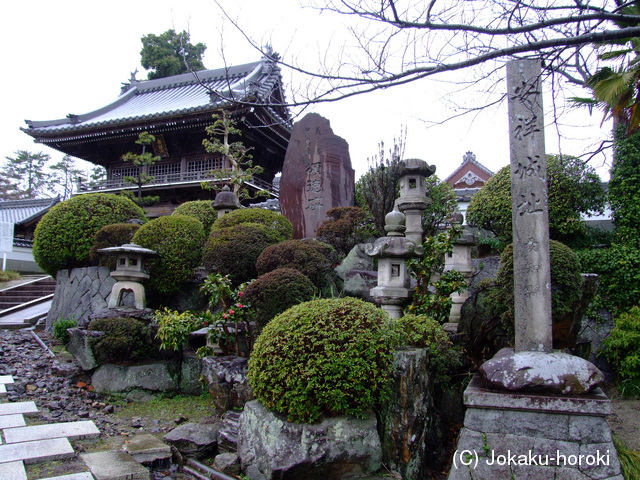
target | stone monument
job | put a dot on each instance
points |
(316, 176)
(533, 413)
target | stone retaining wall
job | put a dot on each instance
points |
(79, 293)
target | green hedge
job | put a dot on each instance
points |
(566, 283)
(201, 209)
(111, 236)
(274, 292)
(327, 356)
(64, 236)
(234, 250)
(313, 258)
(178, 239)
(279, 228)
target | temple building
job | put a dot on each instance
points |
(176, 110)
(468, 179)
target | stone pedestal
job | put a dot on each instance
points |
(460, 260)
(534, 436)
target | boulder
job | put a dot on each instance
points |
(79, 346)
(270, 447)
(226, 378)
(559, 373)
(227, 463)
(159, 376)
(194, 439)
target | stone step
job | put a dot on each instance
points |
(36, 452)
(72, 476)
(11, 421)
(3, 390)
(114, 465)
(4, 379)
(75, 430)
(26, 408)
(13, 471)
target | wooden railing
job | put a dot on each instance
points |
(166, 180)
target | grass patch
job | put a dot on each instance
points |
(191, 407)
(629, 459)
(8, 275)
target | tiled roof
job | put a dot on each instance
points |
(467, 158)
(166, 97)
(22, 211)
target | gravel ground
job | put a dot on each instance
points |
(62, 393)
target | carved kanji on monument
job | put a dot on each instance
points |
(316, 175)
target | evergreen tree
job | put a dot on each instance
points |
(141, 160)
(238, 167)
(24, 175)
(170, 53)
(65, 176)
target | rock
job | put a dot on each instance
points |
(408, 419)
(271, 447)
(541, 372)
(194, 438)
(316, 175)
(79, 346)
(226, 378)
(227, 463)
(160, 376)
(357, 259)
(191, 370)
(228, 432)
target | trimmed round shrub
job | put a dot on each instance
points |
(323, 357)
(178, 239)
(566, 284)
(279, 228)
(64, 236)
(310, 257)
(425, 332)
(345, 227)
(234, 250)
(125, 340)
(111, 236)
(201, 209)
(274, 292)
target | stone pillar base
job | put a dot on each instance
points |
(534, 436)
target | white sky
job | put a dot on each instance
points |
(71, 56)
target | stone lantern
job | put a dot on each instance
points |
(413, 195)
(460, 259)
(225, 201)
(129, 273)
(393, 290)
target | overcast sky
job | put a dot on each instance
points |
(71, 56)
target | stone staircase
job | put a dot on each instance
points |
(26, 302)
(35, 288)
(22, 445)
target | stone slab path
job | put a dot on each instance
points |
(22, 445)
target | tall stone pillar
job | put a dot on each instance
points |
(531, 260)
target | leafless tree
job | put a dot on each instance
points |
(400, 41)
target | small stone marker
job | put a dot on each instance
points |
(6, 379)
(38, 451)
(530, 213)
(76, 430)
(316, 175)
(13, 471)
(115, 465)
(18, 407)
